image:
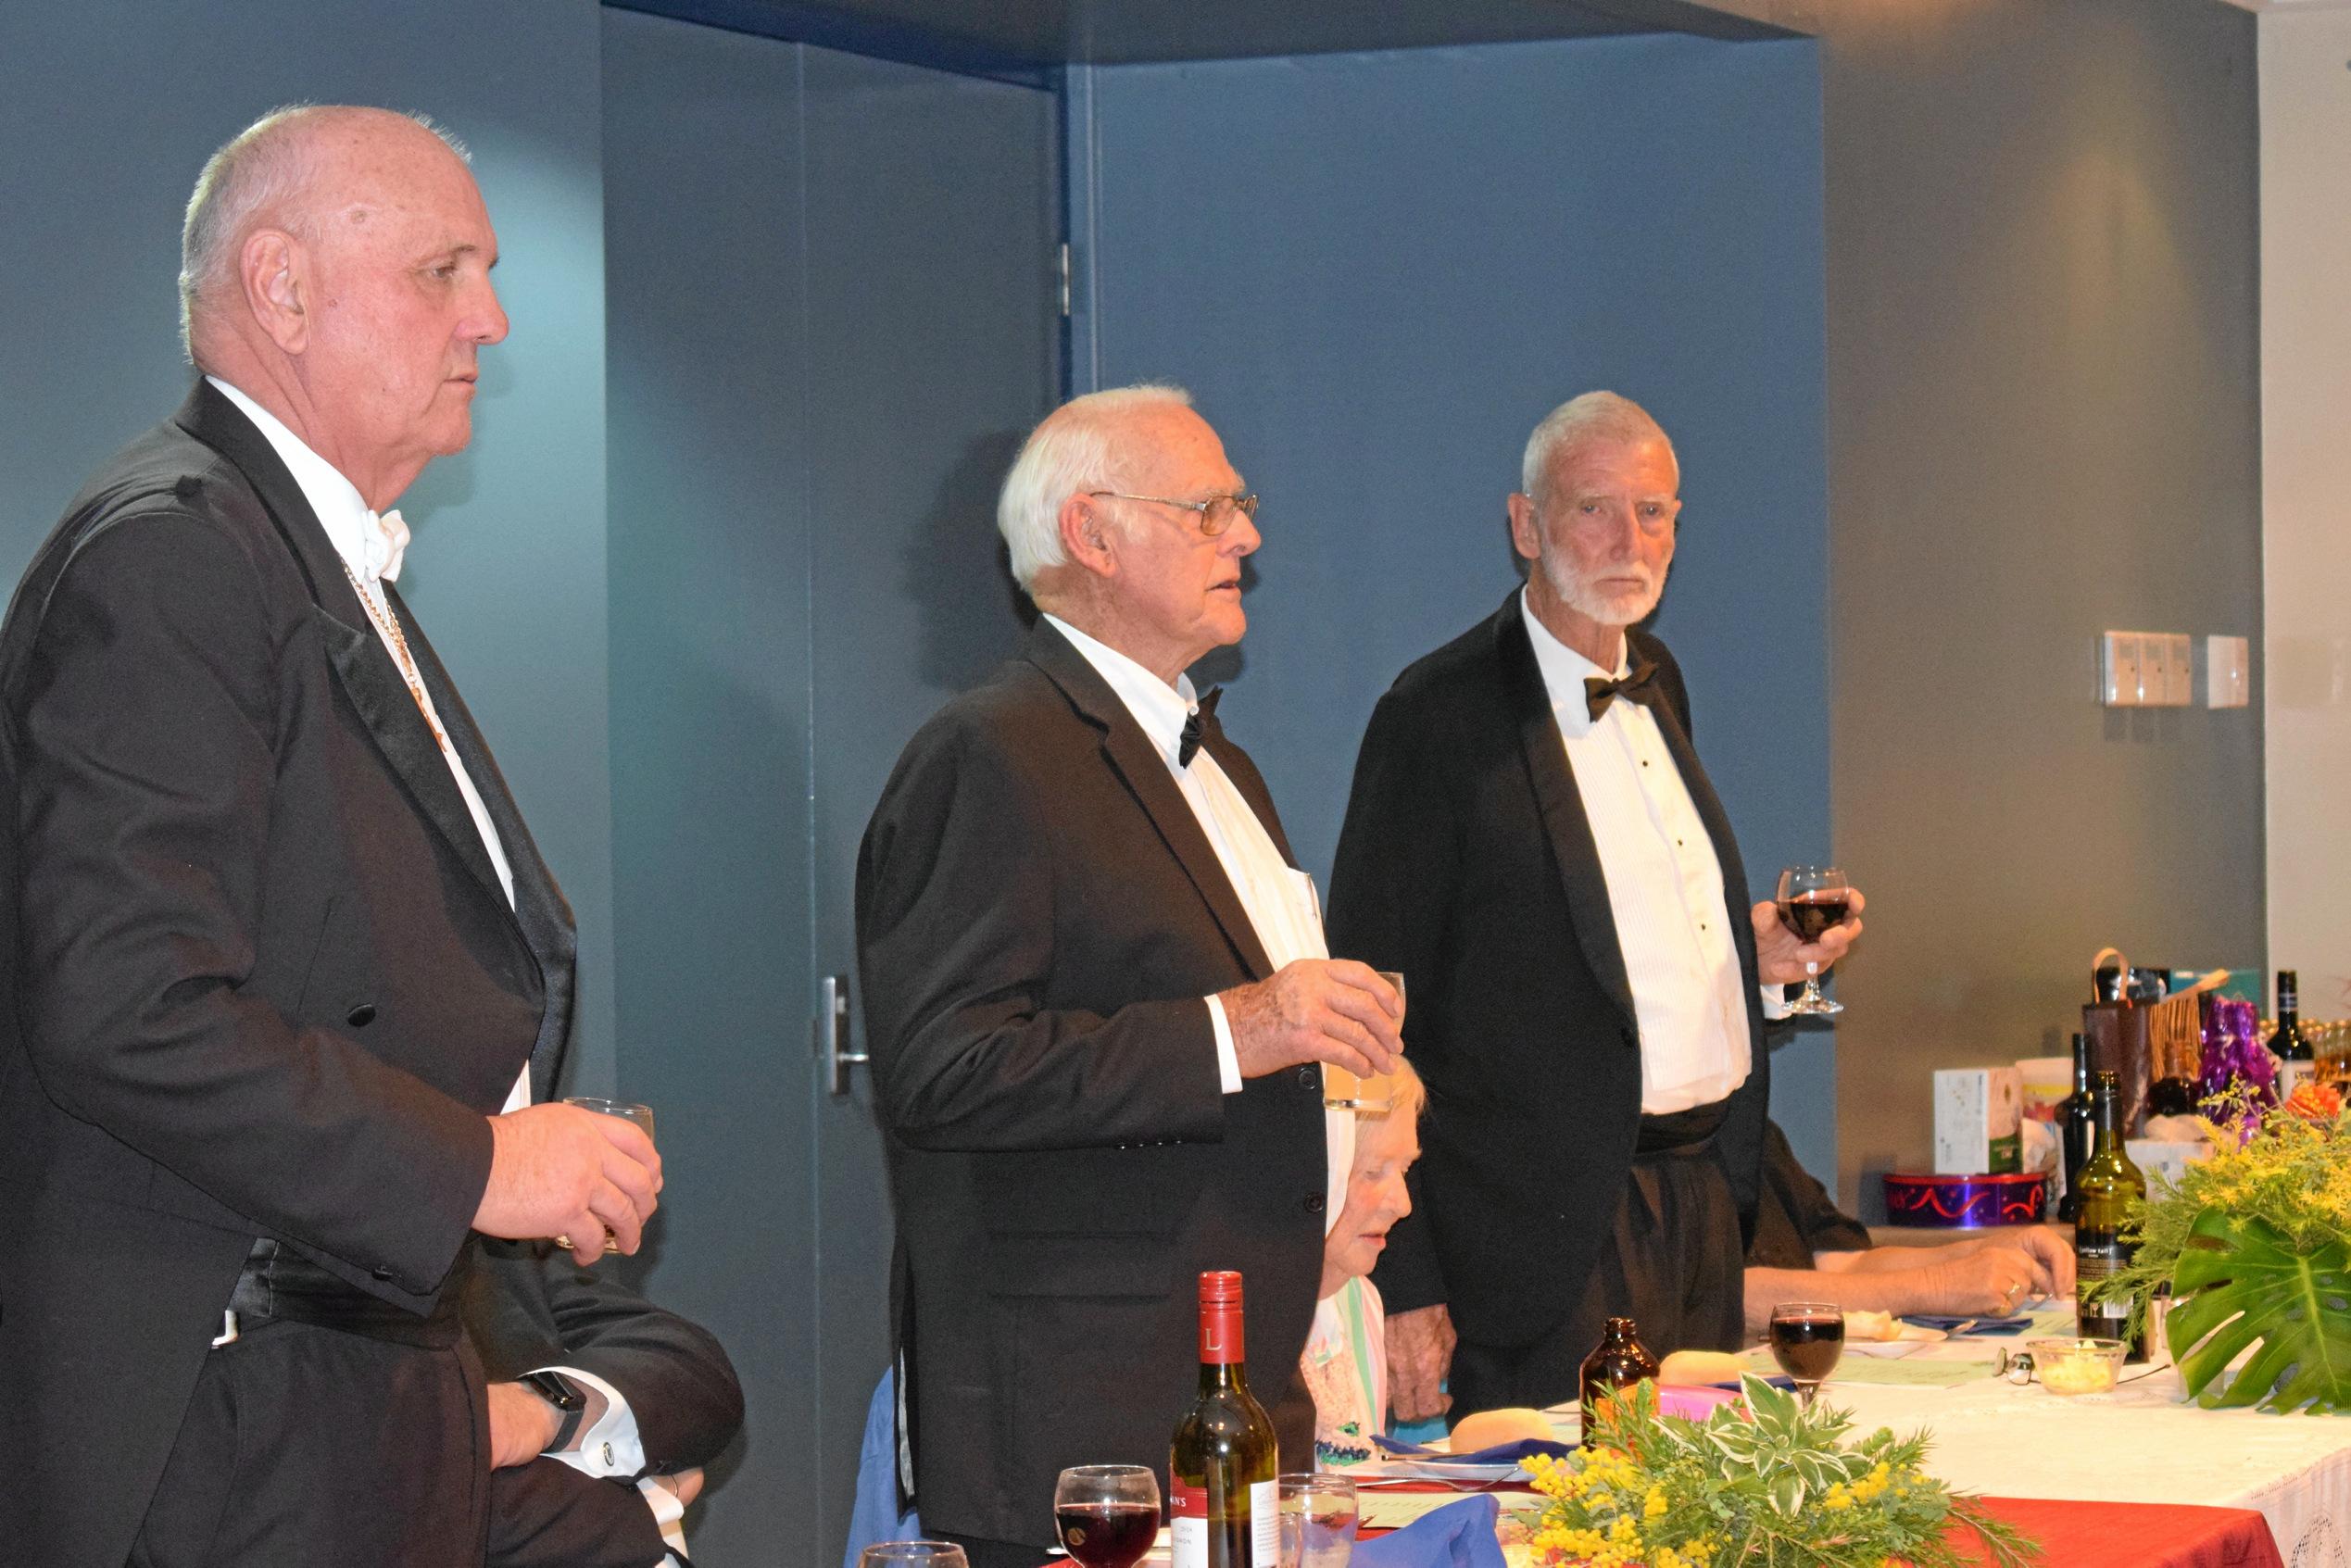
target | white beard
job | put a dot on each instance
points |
(1608, 609)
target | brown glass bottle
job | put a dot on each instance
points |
(2108, 1183)
(1615, 1365)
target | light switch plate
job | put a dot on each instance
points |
(2119, 669)
(2227, 680)
(2154, 670)
(2181, 693)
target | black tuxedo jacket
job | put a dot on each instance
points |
(527, 1307)
(1040, 916)
(262, 979)
(1467, 863)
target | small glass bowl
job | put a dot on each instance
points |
(2076, 1366)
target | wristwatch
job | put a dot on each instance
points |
(568, 1399)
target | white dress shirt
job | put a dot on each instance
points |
(1279, 900)
(612, 1447)
(1664, 887)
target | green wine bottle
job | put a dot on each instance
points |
(1224, 1459)
(2107, 1184)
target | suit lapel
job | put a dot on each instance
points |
(1144, 771)
(369, 677)
(1561, 808)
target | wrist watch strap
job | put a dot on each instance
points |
(569, 1400)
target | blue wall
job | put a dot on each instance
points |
(1377, 272)
(109, 107)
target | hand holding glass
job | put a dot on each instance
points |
(642, 1115)
(1811, 899)
(1108, 1514)
(1343, 1090)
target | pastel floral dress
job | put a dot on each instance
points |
(1345, 1366)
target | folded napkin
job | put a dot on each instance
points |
(1501, 1453)
(1460, 1535)
(1975, 1326)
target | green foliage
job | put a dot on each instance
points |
(2244, 1284)
(1771, 1486)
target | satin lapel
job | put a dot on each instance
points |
(540, 907)
(367, 672)
(1717, 821)
(1144, 771)
(1561, 807)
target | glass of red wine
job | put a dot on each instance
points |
(1108, 1514)
(1813, 899)
(1807, 1340)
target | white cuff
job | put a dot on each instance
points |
(1775, 1002)
(1227, 1058)
(669, 1515)
(611, 1447)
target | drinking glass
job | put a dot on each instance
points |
(1108, 1514)
(1813, 899)
(1343, 1090)
(1318, 1519)
(1807, 1340)
(642, 1115)
(913, 1554)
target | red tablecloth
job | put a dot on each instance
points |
(2140, 1535)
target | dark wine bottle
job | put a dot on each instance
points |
(2076, 1123)
(2107, 1184)
(1224, 1459)
(2297, 1063)
(1618, 1363)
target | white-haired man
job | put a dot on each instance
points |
(1098, 1000)
(288, 971)
(1531, 841)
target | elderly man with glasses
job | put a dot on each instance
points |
(1099, 1001)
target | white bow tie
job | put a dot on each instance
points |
(384, 539)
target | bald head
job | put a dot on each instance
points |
(283, 171)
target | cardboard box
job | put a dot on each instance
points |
(1976, 1113)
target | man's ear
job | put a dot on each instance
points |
(1525, 529)
(1086, 536)
(272, 268)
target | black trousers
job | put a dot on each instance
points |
(305, 1446)
(1672, 1260)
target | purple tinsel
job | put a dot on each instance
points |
(2235, 1056)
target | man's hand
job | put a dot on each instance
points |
(1316, 1009)
(2051, 1255)
(1780, 959)
(556, 1170)
(686, 1484)
(522, 1424)
(1989, 1283)
(1420, 1352)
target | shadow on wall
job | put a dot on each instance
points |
(958, 555)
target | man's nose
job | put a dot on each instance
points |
(1241, 538)
(488, 323)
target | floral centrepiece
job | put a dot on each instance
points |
(2256, 1243)
(1771, 1486)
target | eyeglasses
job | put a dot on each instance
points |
(1216, 513)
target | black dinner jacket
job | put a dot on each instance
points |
(1467, 862)
(262, 979)
(1040, 916)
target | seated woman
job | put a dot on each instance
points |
(1346, 1362)
(1806, 1249)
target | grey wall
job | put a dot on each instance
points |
(1377, 272)
(112, 106)
(2042, 395)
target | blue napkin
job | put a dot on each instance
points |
(1978, 1325)
(1460, 1535)
(1501, 1453)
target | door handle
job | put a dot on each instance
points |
(833, 1033)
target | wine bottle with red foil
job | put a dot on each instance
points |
(1224, 1459)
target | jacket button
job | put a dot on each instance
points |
(1309, 1076)
(383, 1273)
(1313, 1203)
(361, 1016)
(1631, 1036)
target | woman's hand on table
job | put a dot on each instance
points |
(1420, 1351)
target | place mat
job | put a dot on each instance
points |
(1905, 1373)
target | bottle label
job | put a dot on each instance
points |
(1188, 1526)
(2293, 1072)
(1264, 1524)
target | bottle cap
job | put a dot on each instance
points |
(1220, 1287)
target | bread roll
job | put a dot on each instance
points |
(1697, 1368)
(1488, 1429)
(1871, 1325)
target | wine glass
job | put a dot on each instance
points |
(1813, 899)
(641, 1115)
(1318, 1510)
(1807, 1340)
(1108, 1514)
(913, 1554)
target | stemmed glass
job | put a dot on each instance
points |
(913, 1554)
(1108, 1514)
(1807, 1340)
(1813, 899)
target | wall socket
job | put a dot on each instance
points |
(2145, 670)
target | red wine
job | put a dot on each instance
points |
(1809, 914)
(1107, 1535)
(1809, 1348)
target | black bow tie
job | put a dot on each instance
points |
(1196, 725)
(1640, 686)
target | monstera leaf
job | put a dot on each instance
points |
(2243, 1285)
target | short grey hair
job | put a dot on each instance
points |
(258, 171)
(1075, 447)
(1595, 416)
